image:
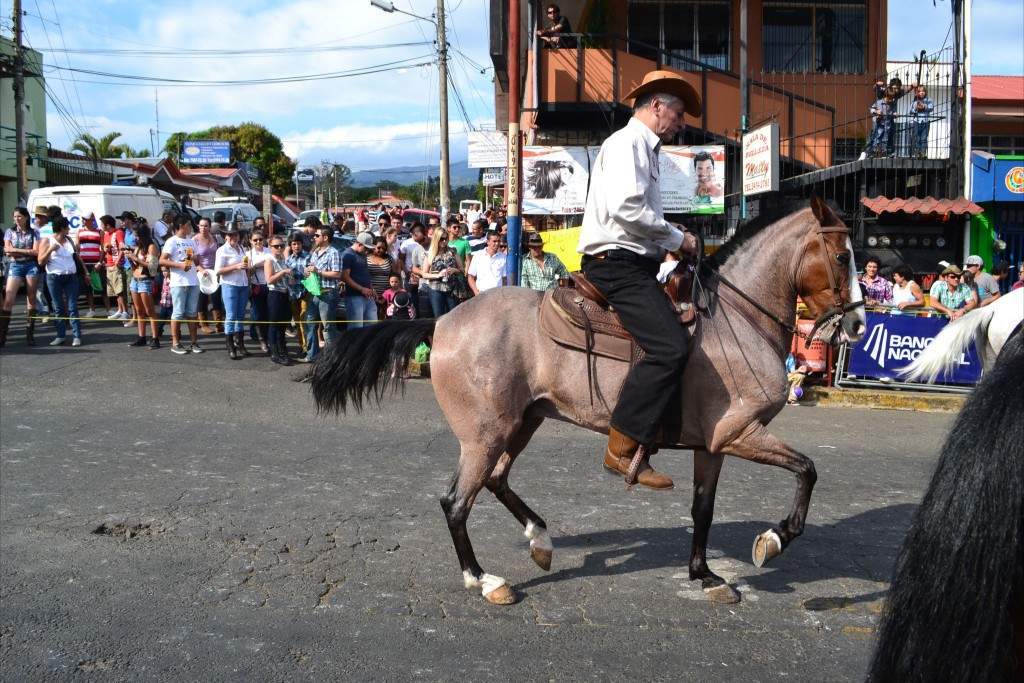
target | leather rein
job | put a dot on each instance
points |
(829, 318)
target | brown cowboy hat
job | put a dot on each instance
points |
(669, 83)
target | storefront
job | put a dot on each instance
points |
(998, 233)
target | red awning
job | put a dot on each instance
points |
(928, 205)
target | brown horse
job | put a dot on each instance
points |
(497, 377)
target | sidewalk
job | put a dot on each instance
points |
(883, 399)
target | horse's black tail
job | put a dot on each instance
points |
(959, 580)
(365, 362)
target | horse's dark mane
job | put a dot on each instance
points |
(749, 228)
(959, 578)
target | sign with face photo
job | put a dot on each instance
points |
(693, 178)
(554, 180)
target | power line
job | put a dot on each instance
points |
(175, 53)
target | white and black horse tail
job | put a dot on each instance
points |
(956, 605)
(364, 363)
(947, 347)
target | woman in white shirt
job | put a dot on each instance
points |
(258, 293)
(57, 254)
(233, 266)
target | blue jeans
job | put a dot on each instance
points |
(878, 141)
(321, 309)
(185, 301)
(441, 302)
(359, 310)
(235, 298)
(919, 138)
(61, 286)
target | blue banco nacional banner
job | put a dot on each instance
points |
(893, 341)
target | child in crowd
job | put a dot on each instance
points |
(395, 287)
(921, 115)
(401, 307)
(884, 113)
(796, 376)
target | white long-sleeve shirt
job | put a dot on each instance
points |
(624, 209)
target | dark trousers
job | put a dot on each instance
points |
(632, 288)
(258, 312)
(280, 310)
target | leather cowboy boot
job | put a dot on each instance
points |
(619, 455)
(229, 340)
(240, 345)
(203, 325)
(261, 334)
(30, 330)
(218, 322)
(5, 323)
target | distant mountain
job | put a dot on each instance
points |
(461, 174)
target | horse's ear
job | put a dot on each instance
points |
(821, 211)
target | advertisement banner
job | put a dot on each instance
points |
(761, 160)
(555, 180)
(206, 152)
(494, 178)
(691, 178)
(487, 149)
(893, 341)
(562, 243)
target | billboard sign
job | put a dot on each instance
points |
(487, 149)
(691, 178)
(206, 152)
(305, 176)
(555, 180)
(494, 178)
(894, 341)
(761, 160)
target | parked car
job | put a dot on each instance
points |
(238, 213)
(410, 216)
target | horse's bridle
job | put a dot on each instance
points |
(830, 317)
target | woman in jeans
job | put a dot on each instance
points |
(21, 244)
(145, 260)
(258, 293)
(278, 276)
(57, 254)
(439, 267)
(233, 267)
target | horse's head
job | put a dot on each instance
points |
(826, 279)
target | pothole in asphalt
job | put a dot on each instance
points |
(123, 531)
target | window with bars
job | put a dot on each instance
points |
(806, 37)
(695, 30)
(998, 144)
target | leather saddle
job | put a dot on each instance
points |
(580, 317)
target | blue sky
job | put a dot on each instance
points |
(385, 117)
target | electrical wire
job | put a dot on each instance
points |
(190, 53)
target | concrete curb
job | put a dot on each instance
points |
(883, 400)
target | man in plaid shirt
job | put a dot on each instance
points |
(950, 296)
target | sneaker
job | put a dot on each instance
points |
(291, 334)
(59, 341)
(44, 320)
(114, 316)
(863, 156)
(196, 348)
(138, 343)
(179, 349)
(89, 314)
(77, 341)
(303, 360)
(154, 344)
(129, 323)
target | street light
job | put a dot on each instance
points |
(442, 69)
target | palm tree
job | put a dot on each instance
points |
(98, 149)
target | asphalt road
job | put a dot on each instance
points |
(190, 518)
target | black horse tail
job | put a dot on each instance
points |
(956, 605)
(365, 362)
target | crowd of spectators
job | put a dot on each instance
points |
(253, 287)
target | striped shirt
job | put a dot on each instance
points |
(89, 244)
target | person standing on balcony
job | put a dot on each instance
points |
(552, 33)
(883, 113)
(623, 240)
(921, 116)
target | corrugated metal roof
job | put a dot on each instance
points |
(1001, 89)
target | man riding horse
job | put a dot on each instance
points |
(624, 239)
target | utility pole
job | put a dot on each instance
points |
(515, 219)
(19, 108)
(442, 70)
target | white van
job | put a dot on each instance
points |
(77, 201)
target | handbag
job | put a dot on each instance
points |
(460, 288)
(312, 284)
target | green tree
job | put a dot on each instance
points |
(98, 149)
(250, 142)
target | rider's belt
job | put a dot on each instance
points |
(619, 255)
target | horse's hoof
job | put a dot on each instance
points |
(767, 547)
(542, 556)
(722, 594)
(502, 595)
